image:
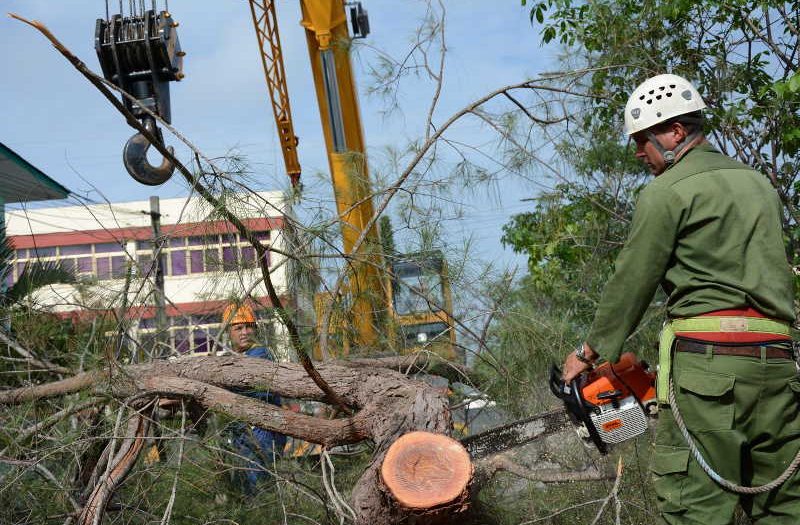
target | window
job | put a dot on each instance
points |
(181, 256)
(229, 262)
(107, 247)
(85, 265)
(40, 253)
(248, 257)
(144, 263)
(177, 260)
(201, 254)
(103, 268)
(417, 288)
(119, 267)
(101, 260)
(196, 261)
(79, 249)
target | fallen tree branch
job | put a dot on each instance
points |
(389, 405)
(416, 362)
(327, 432)
(69, 385)
(120, 466)
(503, 463)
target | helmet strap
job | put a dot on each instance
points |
(670, 156)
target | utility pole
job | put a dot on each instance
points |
(162, 335)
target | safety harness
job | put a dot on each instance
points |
(665, 386)
(703, 324)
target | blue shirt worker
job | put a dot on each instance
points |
(258, 445)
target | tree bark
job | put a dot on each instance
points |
(387, 405)
(123, 461)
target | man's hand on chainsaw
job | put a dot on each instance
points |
(573, 367)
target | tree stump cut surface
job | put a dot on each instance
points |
(423, 470)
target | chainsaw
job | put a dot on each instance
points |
(606, 406)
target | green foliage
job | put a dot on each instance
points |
(743, 56)
(565, 235)
(573, 234)
(388, 244)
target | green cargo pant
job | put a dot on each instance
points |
(744, 417)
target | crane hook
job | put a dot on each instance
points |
(135, 158)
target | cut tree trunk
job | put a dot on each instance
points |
(428, 475)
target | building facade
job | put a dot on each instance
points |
(111, 248)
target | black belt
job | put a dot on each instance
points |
(772, 352)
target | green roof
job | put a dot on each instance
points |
(21, 181)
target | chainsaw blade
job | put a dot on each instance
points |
(515, 434)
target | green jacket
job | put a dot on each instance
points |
(708, 230)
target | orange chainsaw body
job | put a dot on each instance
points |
(627, 377)
(611, 403)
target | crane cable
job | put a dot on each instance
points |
(724, 483)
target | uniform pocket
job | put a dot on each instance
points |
(705, 400)
(669, 466)
(794, 384)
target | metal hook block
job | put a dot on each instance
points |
(134, 157)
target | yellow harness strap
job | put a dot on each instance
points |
(731, 324)
(664, 362)
(768, 327)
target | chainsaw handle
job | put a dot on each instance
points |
(557, 385)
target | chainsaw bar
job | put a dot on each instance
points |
(516, 434)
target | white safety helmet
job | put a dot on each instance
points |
(659, 99)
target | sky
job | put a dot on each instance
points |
(57, 121)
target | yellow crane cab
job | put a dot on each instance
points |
(423, 304)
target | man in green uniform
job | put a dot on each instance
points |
(707, 229)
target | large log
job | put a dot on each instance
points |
(386, 405)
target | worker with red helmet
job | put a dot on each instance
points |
(258, 445)
(708, 230)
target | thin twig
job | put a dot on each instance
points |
(168, 511)
(612, 496)
(339, 504)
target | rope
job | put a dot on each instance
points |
(724, 483)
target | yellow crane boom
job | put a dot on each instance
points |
(269, 43)
(369, 290)
(328, 42)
